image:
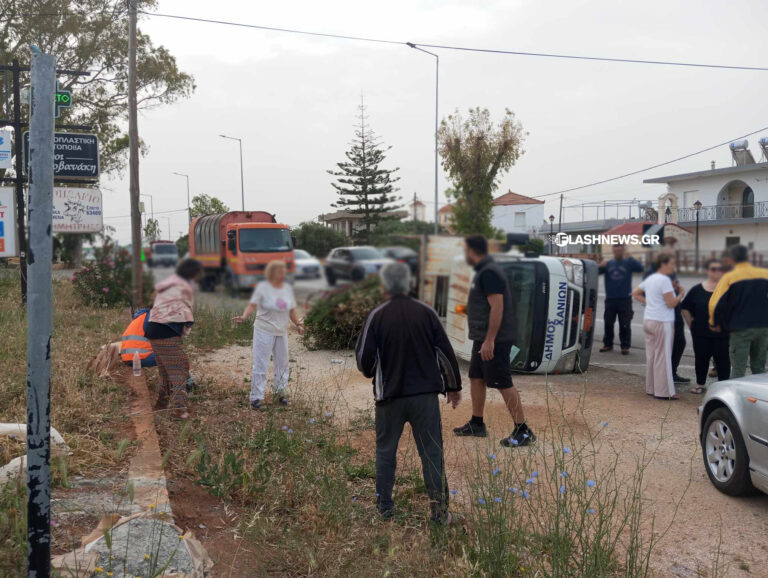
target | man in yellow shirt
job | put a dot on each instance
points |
(739, 304)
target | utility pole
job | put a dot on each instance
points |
(39, 315)
(133, 158)
(189, 212)
(414, 206)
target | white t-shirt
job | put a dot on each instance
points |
(656, 309)
(273, 307)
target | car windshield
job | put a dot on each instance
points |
(299, 254)
(400, 252)
(166, 249)
(265, 240)
(364, 253)
(522, 284)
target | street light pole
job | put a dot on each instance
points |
(697, 207)
(189, 212)
(551, 233)
(242, 182)
(168, 220)
(151, 205)
(437, 100)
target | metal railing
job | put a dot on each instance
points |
(723, 212)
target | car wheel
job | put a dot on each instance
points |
(330, 277)
(357, 275)
(725, 455)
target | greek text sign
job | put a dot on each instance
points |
(75, 156)
(8, 246)
(77, 210)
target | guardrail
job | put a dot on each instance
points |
(723, 212)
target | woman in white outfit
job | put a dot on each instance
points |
(275, 305)
(658, 295)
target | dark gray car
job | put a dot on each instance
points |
(353, 263)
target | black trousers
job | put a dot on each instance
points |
(423, 413)
(707, 348)
(620, 309)
(678, 340)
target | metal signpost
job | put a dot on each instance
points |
(39, 317)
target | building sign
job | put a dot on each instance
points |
(5, 149)
(8, 247)
(75, 155)
(77, 210)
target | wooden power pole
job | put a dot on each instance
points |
(133, 158)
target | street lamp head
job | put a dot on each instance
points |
(551, 218)
(697, 205)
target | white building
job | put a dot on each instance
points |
(734, 202)
(513, 213)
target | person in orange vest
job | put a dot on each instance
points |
(133, 341)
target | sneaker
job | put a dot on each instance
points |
(522, 435)
(282, 400)
(471, 429)
(680, 379)
(256, 404)
(625, 351)
(605, 348)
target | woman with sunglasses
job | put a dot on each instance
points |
(707, 344)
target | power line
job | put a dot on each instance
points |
(156, 213)
(453, 47)
(656, 166)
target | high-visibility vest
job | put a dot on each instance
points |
(133, 339)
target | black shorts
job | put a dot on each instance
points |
(497, 373)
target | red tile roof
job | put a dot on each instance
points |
(511, 198)
(446, 209)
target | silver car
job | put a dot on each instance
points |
(733, 430)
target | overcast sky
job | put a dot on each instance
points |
(292, 99)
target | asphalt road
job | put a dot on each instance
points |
(308, 289)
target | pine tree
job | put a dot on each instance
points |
(363, 186)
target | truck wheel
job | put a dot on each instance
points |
(330, 277)
(231, 285)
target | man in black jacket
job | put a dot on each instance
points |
(491, 321)
(404, 348)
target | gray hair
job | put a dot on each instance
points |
(396, 278)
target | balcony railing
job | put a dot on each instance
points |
(723, 212)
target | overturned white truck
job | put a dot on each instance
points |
(554, 297)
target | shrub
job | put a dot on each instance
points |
(336, 319)
(318, 239)
(106, 281)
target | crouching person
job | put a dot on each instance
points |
(406, 351)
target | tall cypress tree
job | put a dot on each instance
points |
(363, 186)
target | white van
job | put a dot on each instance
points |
(554, 297)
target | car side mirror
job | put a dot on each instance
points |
(232, 242)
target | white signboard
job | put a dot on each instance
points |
(8, 246)
(5, 149)
(77, 210)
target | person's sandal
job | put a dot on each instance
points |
(698, 390)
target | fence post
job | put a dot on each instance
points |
(39, 317)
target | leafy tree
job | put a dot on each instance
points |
(203, 205)
(396, 233)
(363, 186)
(152, 230)
(317, 239)
(475, 154)
(182, 245)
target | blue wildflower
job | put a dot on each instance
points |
(529, 481)
(290, 431)
(497, 499)
(535, 474)
(563, 474)
(603, 424)
(513, 490)
(590, 483)
(454, 492)
(526, 495)
(562, 489)
(285, 427)
(566, 450)
(481, 501)
(514, 442)
(329, 414)
(354, 498)
(496, 471)
(311, 420)
(590, 510)
(492, 456)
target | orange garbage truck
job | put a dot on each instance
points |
(236, 247)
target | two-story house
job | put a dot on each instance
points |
(730, 203)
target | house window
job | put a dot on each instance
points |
(731, 241)
(520, 220)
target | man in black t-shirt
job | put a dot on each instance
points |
(491, 322)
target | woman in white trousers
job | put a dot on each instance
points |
(658, 295)
(275, 305)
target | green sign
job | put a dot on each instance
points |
(63, 99)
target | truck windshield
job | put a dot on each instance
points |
(529, 300)
(165, 249)
(265, 240)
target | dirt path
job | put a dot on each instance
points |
(635, 422)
